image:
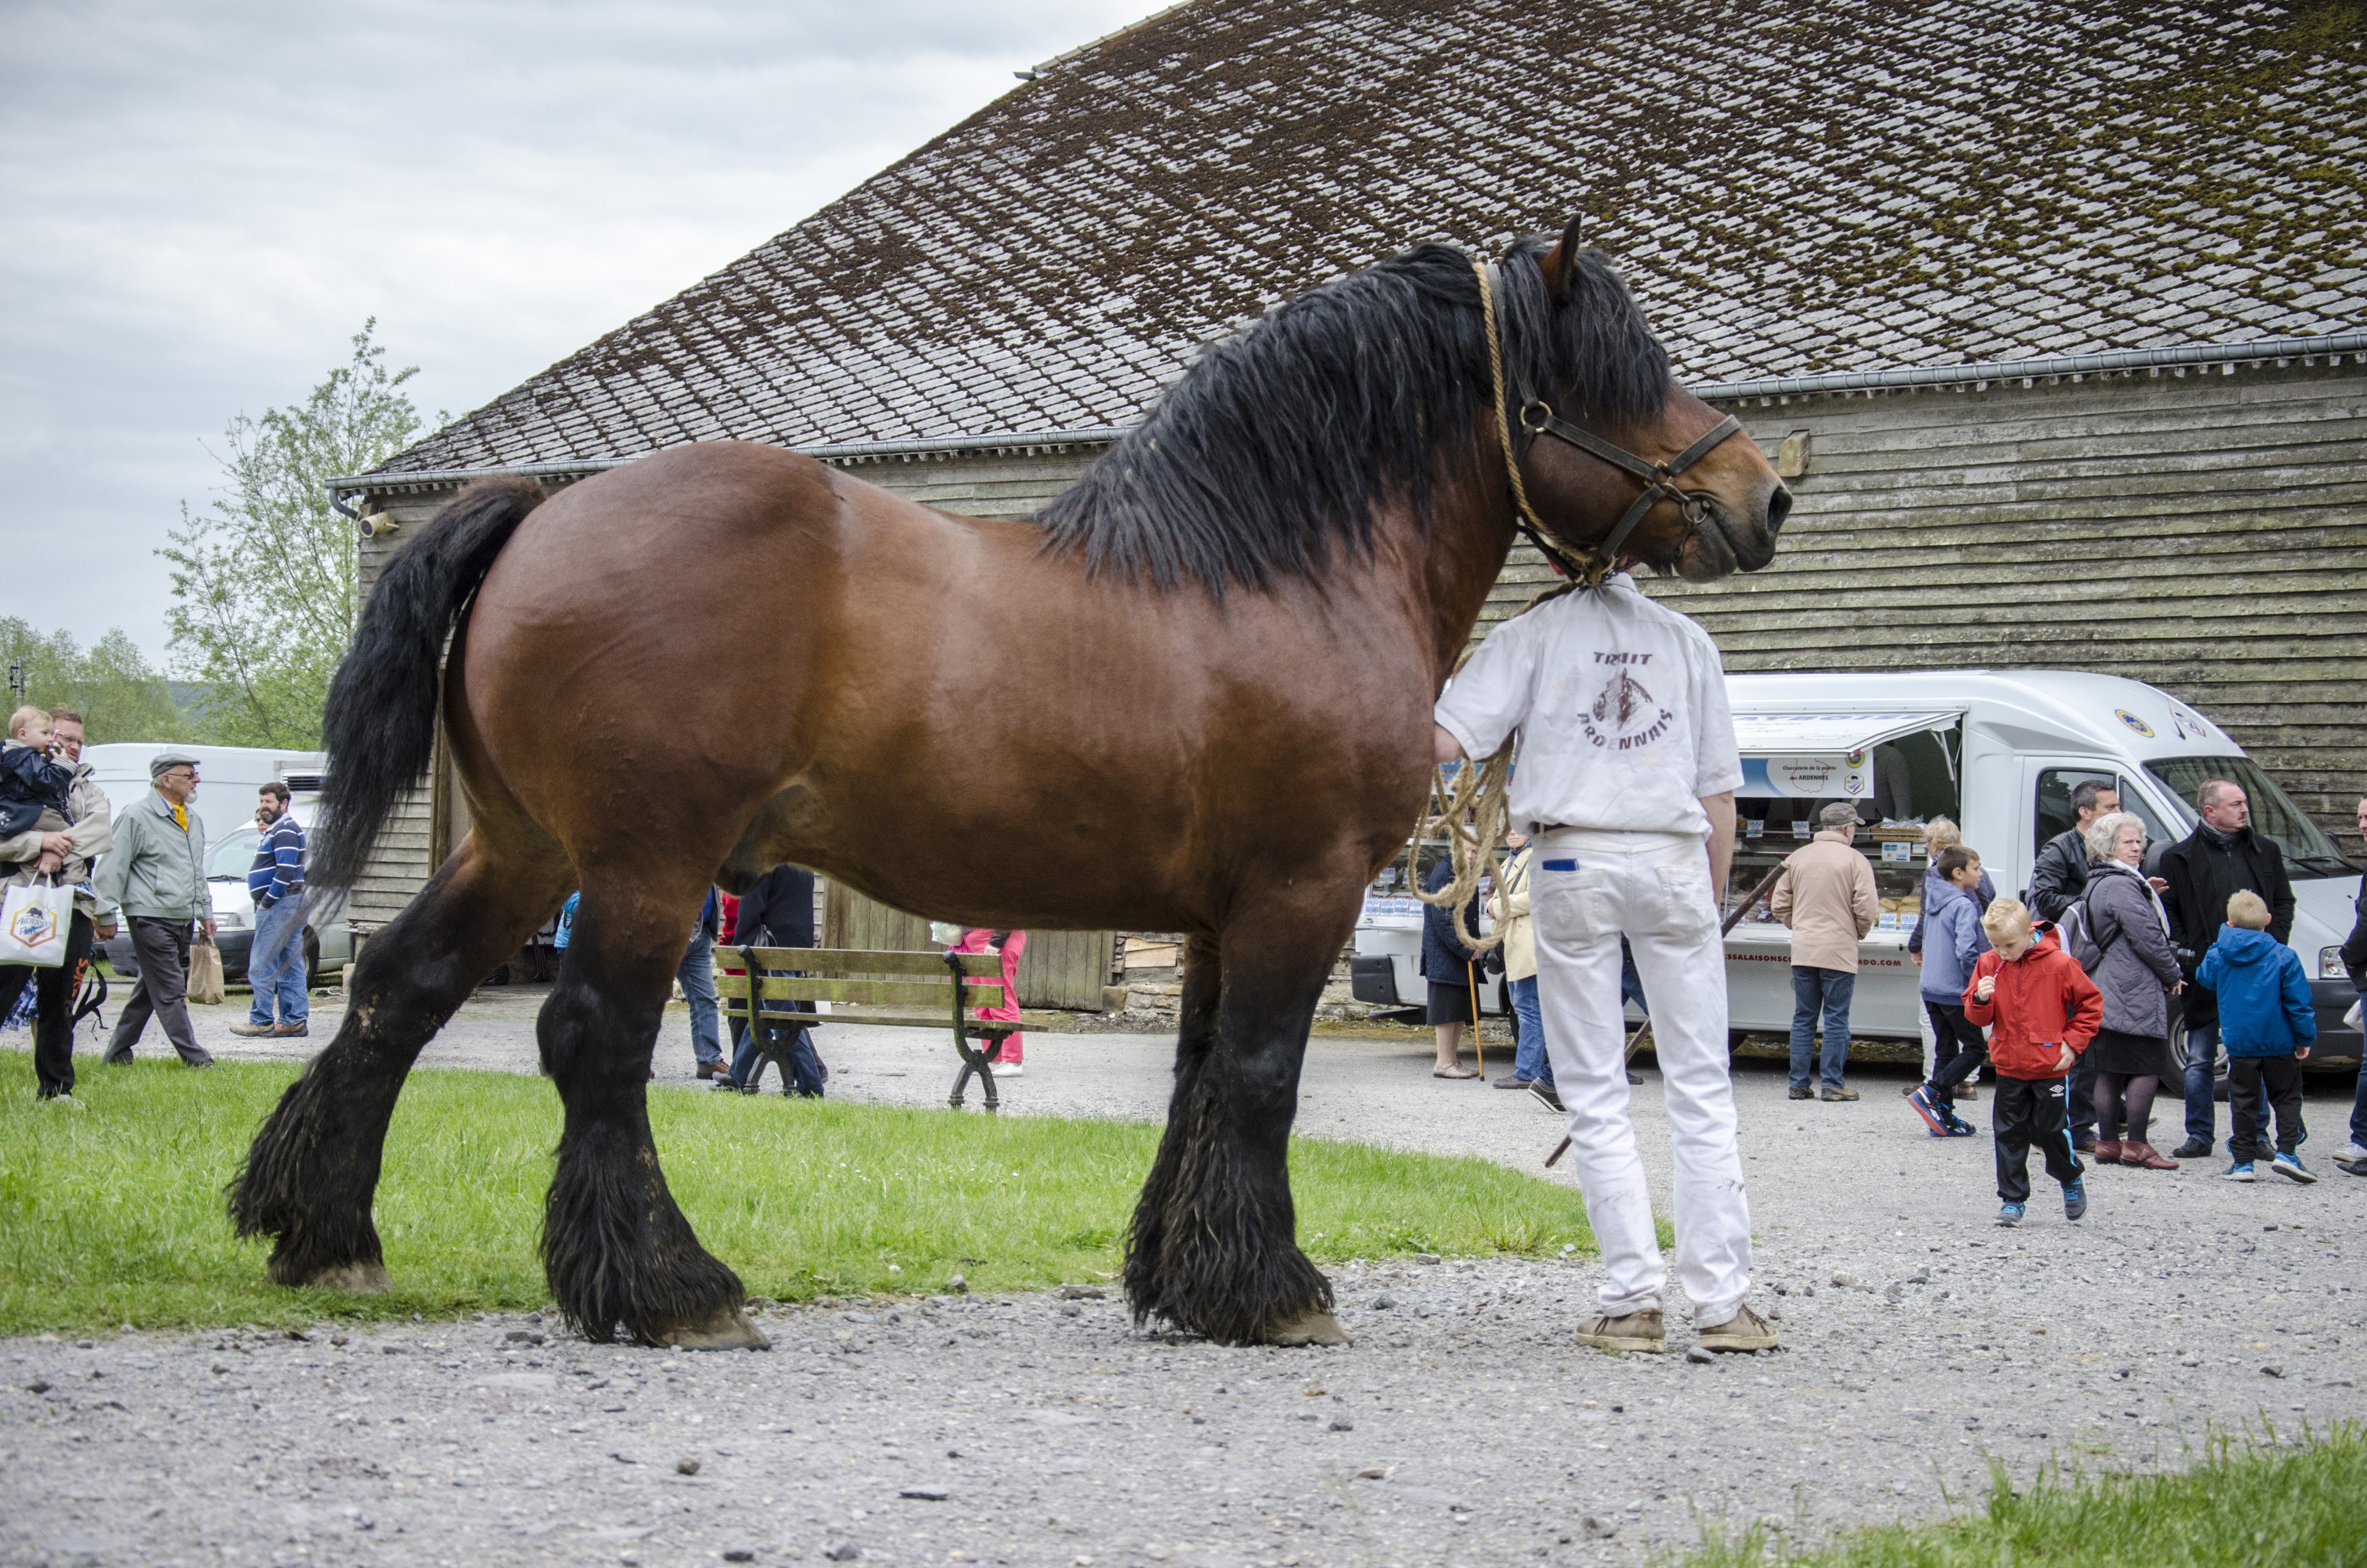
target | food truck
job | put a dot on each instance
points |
(1997, 752)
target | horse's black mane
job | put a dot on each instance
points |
(1280, 442)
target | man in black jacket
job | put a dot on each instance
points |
(2221, 857)
(2061, 875)
(777, 912)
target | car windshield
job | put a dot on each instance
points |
(227, 861)
(2306, 848)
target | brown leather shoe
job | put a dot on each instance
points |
(293, 1031)
(1637, 1331)
(2145, 1158)
(713, 1070)
(251, 1031)
(2108, 1152)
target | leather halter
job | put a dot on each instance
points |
(1587, 563)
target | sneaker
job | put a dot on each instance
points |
(1000, 1068)
(62, 1102)
(2010, 1214)
(1746, 1330)
(253, 1032)
(2193, 1148)
(1800, 1093)
(1547, 1094)
(1959, 1128)
(1919, 1099)
(1636, 1331)
(1513, 1081)
(2352, 1167)
(1829, 1093)
(2241, 1170)
(2290, 1167)
(2075, 1198)
(2351, 1151)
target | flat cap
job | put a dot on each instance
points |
(165, 759)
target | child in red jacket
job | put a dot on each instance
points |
(2046, 1010)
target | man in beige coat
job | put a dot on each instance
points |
(1827, 896)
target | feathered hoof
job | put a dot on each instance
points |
(1311, 1328)
(730, 1331)
(355, 1278)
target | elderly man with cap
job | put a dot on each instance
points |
(156, 874)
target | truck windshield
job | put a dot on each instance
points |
(2307, 851)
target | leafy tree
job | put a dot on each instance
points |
(262, 579)
(111, 683)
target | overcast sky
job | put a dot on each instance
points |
(202, 203)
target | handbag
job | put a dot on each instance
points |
(34, 922)
(205, 973)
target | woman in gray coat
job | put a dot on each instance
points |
(2136, 973)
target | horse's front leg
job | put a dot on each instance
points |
(615, 1247)
(1213, 1248)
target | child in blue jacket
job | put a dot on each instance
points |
(2268, 1026)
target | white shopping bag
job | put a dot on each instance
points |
(33, 924)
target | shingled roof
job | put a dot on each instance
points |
(1792, 186)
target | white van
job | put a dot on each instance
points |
(228, 778)
(1999, 752)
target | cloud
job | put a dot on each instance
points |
(204, 204)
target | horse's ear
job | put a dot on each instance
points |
(1557, 261)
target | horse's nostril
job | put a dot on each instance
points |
(1779, 506)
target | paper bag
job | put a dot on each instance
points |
(205, 972)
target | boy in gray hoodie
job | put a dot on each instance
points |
(1952, 943)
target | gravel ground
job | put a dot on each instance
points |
(1462, 1426)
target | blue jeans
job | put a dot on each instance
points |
(275, 964)
(2359, 1108)
(804, 1065)
(2201, 1112)
(1530, 1061)
(697, 976)
(1815, 990)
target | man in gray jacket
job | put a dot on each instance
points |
(66, 854)
(157, 875)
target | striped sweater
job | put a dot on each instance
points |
(278, 869)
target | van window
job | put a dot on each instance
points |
(227, 861)
(2306, 848)
(2055, 814)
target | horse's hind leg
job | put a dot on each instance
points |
(1213, 1247)
(312, 1170)
(615, 1247)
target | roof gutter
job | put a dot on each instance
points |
(2118, 362)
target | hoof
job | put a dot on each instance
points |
(357, 1279)
(732, 1330)
(1314, 1328)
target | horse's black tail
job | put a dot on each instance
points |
(381, 723)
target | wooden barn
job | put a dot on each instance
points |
(2052, 312)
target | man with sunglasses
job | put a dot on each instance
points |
(156, 874)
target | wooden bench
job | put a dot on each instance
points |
(931, 990)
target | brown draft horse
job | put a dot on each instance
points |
(1192, 696)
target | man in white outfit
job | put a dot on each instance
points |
(1627, 769)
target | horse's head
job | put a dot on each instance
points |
(1604, 421)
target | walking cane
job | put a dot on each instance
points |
(1478, 1048)
(1637, 1039)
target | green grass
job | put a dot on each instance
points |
(2241, 1507)
(115, 1215)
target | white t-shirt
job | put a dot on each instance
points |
(1621, 706)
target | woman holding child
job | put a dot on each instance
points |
(2136, 972)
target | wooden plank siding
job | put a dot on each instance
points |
(2204, 533)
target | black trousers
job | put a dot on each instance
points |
(1957, 1049)
(162, 989)
(2244, 1076)
(2025, 1112)
(53, 1000)
(2082, 1109)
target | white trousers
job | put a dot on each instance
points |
(1591, 888)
